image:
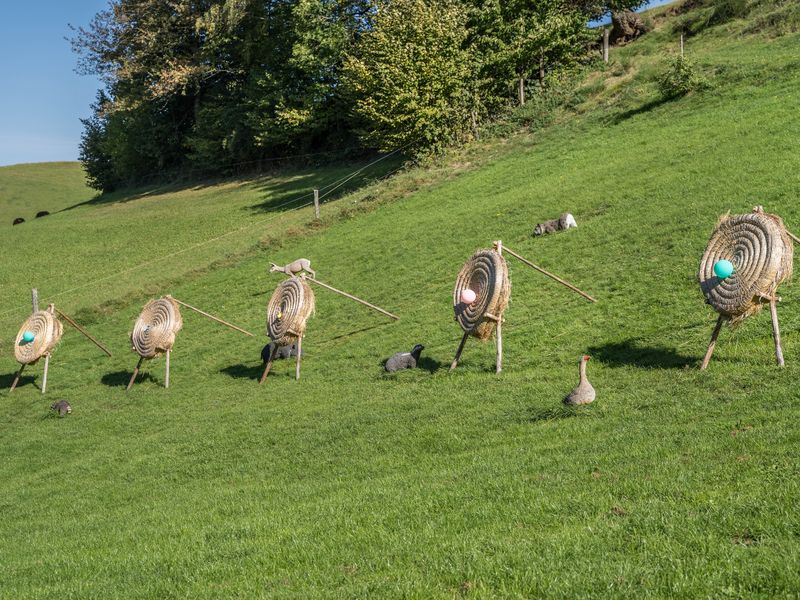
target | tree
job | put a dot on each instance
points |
(412, 78)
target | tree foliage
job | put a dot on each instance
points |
(207, 85)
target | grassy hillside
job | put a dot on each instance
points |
(352, 483)
(27, 189)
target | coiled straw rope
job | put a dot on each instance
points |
(155, 329)
(486, 274)
(290, 306)
(761, 251)
(47, 331)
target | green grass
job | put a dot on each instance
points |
(352, 483)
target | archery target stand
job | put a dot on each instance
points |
(156, 328)
(486, 274)
(38, 337)
(761, 251)
(289, 308)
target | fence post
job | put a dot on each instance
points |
(606, 32)
(316, 204)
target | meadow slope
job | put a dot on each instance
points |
(430, 484)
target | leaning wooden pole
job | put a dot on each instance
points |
(460, 349)
(16, 379)
(135, 373)
(83, 331)
(776, 332)
(498, 245)
(712, 343)
(268, 366)
(46, 369)
(212, 317)
(550, 275)
(346, 295)
(793, 236)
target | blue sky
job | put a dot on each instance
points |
(44, 99)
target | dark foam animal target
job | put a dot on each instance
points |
(18, 220)
(404, 360)
(283, 351)
(565, 221)
(42, 213)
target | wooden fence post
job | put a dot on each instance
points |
(606, 33)
(316, 204)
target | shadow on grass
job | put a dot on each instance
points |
(536, 415)
(242, 371)
(121, 378)
(630, 353)
(8, 379)
(644, 108)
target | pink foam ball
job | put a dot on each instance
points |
(468, 296)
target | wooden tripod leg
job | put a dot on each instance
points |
(776, 332)
(135, 373)
(459, 351)
(269, 364)
(166, 378)
(16, 379)
(299, 351)
(499, 334)
(712, 343)
(46, 368)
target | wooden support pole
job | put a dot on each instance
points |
(166, 377)
(776, 332)
(83, 331)
(299, 352)
(550, 275)
(16, 379)
(212, 317)
(316, 204)
(606, 33)
(346, 295)
(268, 366)
(46, 368)
(135, 373)
(712, 343)
(459, 351)
(498, 245)
(35, 300)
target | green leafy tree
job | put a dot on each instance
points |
(411, 77)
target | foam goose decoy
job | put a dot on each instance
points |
(584, 393)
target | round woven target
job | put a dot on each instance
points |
(47, 331)
(291, 304)
(486, 274)
(155, 329)
(761, 252)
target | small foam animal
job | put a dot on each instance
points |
(297, 266)
(565, 221)
(584, 392)
(42, 213)
(62, 407)
(404, 360)
(283, 351)
(18, 221)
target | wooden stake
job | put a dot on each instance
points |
(346, 295)
(316, 204)
(459, 351)
(166, 378)
(498, 245)
(35, 300)
(681, 45)
(83, 331)
(299, 352)
(212, 317)
(550, 275)
(135, 373)
(16, 379)
(776, 332)
(46, 368)
(712, 343)
(269, 364)
(606, 33)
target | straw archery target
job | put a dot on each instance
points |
(761, 252)
(155, 329)
(289, 308)
(486, 274)
(47, 331)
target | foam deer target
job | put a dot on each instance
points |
(155, 330)
(482, 293)
(38, 337)
(290, 306)
(747, 258)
